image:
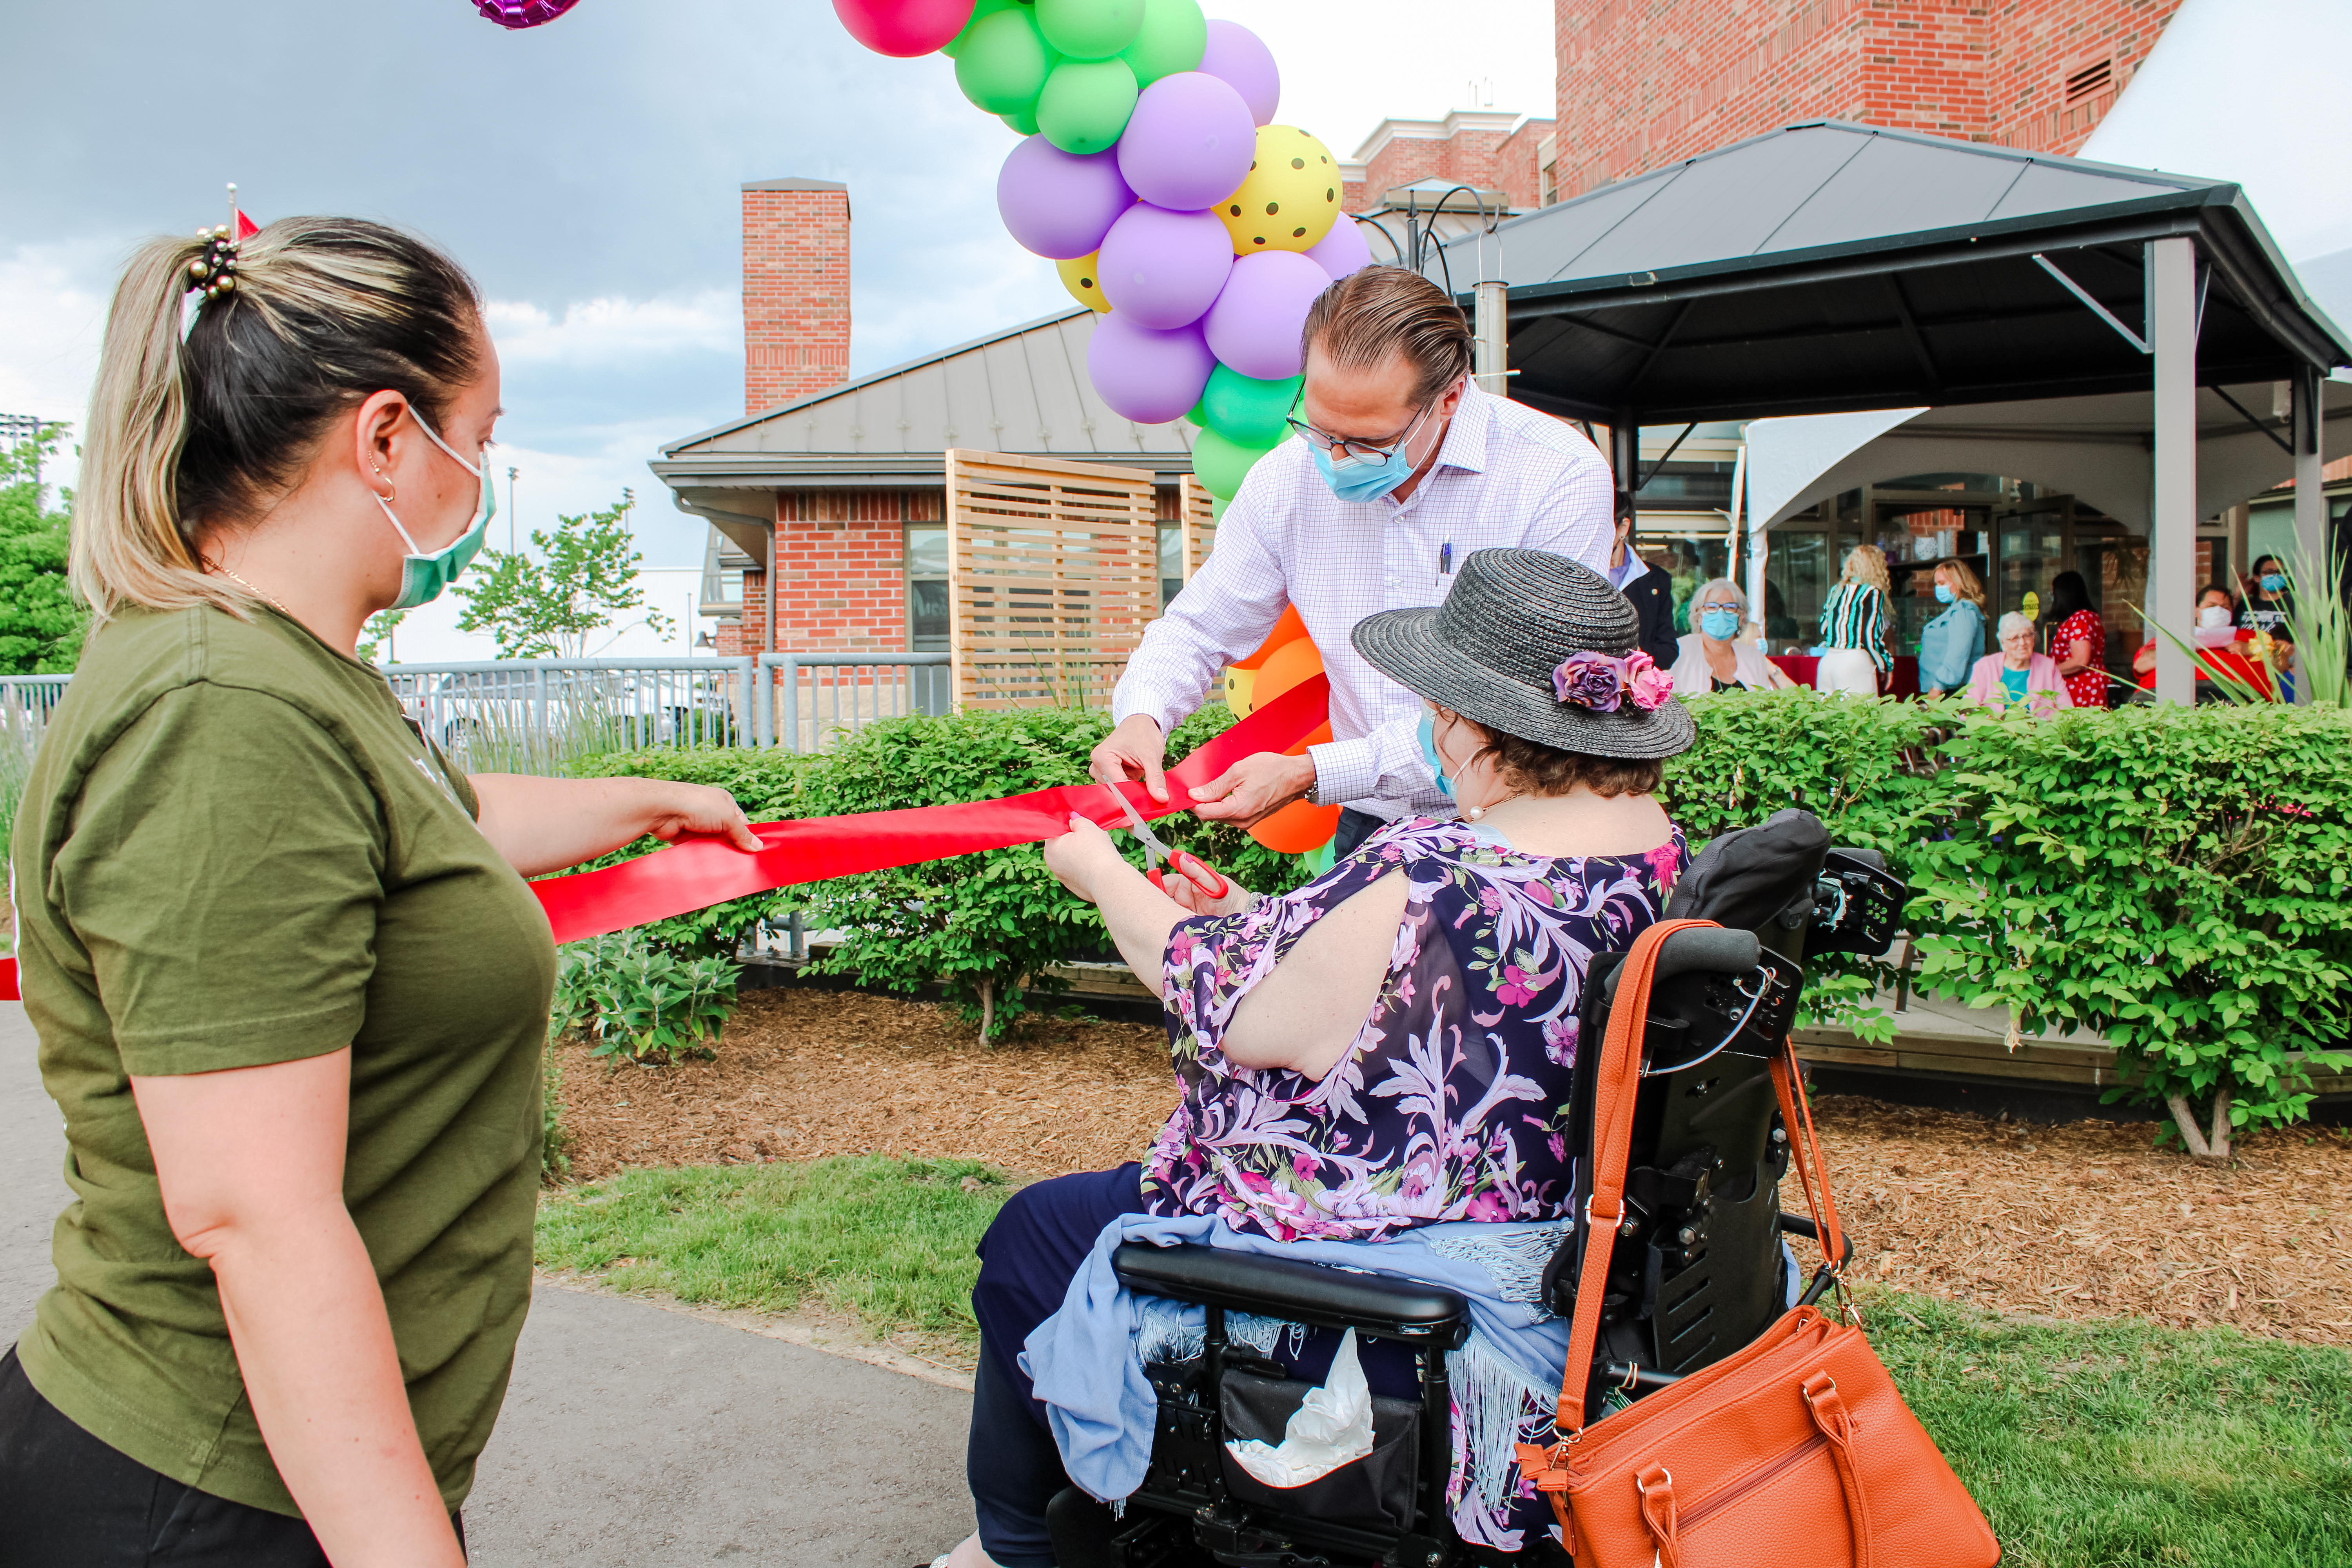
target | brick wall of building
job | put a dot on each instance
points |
(841, 569)
(1480, 150)
(1644, 83)
(795, 290)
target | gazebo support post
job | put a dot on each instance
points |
(2310, 489)
(1625, 460)
(2172, 547)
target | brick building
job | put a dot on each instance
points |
(1644, 83)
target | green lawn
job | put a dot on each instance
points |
(2088, 1445)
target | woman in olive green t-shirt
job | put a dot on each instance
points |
(290, 986)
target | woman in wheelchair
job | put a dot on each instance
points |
(1387, 1052)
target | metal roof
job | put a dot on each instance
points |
(1831, 266)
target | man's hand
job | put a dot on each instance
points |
(1253, 789)
(1133, 751)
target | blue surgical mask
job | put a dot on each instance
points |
(1944, 594)
(2273, 582)
(1720, 625)
(1361, 481)
(423, 576)
(1429, 752)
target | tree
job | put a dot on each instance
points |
(41, 626)
(550, 606)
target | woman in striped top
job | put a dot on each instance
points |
(1854, 627)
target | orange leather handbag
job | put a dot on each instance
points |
(1795, 1449)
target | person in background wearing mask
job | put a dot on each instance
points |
(2017, 679)
(1401, 468)
(2217, 615)
(2266, 608)
(1649, 589)
(1951, 643)
(2080, 643)
(290, 986)
(1712, 659)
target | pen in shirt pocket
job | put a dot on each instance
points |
(1444, 560)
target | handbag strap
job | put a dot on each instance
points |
(1805, 1155)
(1617, 1083)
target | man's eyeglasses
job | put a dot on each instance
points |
(1355, 449)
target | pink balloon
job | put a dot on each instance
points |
(1162, 269)
(903, 28)
(1059, 205)
(1254, 326)
(1148, 376)
(1343, 250)
(1189, 142)
(1241, 58)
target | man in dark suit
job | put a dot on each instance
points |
(1650, 590)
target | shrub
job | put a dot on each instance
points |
(554, 1164)
(638, 1002)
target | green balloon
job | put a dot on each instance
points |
(1198, 414)
(1086, 104)
(1174, 38)
(1216, 509)
(1219, 463)
(981, 11)
(1249, 412)
(1003, 62)
(1090, 29)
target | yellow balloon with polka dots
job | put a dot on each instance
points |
(1079, 277)
(1291, 197)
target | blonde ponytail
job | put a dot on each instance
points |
(197, 433)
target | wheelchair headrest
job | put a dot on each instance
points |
(1721, 952)
(1752, 876)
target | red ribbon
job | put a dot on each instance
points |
(706, 869)
(8, 980)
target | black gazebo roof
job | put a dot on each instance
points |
(1829, 266)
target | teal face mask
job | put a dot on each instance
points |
(1944, 594)
(423, 576)
(1720, 625)
(1429, 752)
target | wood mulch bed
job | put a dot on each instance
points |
(2086, 1219)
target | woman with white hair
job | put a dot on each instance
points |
(1854, 627)
(1712, 659)
(2017, 676)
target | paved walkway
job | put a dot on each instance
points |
(632, 1436)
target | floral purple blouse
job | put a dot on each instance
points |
(1451, 1104)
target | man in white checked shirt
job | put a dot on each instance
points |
(1388, 415)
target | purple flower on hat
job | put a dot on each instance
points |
(1590, 679)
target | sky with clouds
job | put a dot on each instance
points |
(587, 172)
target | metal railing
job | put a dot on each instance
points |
(534, 715)
(807, 701)
(27, 701)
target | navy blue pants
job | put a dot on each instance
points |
(1027, 1260)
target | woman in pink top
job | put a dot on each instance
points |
(2017, 676)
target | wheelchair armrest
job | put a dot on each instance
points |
(1373, 1304)
(1723, 951)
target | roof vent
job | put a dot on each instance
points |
(2090, 81)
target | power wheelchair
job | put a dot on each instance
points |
(1697, 1269)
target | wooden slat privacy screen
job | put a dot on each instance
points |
(1052, 573)
(1196, 525)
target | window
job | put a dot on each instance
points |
(1171, 563)
(926, 590)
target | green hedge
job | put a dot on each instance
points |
(2172, 878)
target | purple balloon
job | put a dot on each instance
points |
(1241, 58)
(1059, 205)
(1162, 269)
(1254, 326)
(1146, 376)
(1343, 250)
(1189, 144)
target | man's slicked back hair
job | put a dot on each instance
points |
(1376, 311)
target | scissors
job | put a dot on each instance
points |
(1191, 867)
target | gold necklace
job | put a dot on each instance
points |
(257, 593)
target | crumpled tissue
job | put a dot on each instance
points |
(1331, 1428)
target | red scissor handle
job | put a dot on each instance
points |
(1195, 870)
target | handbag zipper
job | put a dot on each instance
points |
(1732, 1493)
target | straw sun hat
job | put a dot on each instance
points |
(1536, 646)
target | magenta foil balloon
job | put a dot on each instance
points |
(1189, 142)
(523, 13)
(1241, 58)
(1059, 205)
(1343, 250)
(1162, 269)
(1146, 376)
(1254, 326)
(903, 29)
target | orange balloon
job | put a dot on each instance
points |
(1293, 664)
(1288, 629)
(1298, 827)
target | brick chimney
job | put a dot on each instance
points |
(795, 290)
